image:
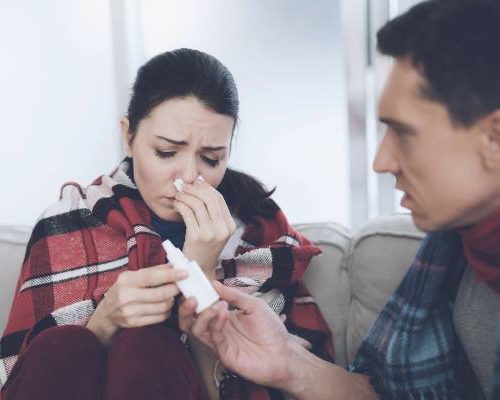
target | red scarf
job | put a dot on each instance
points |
(482, 249)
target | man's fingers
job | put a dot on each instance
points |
(219, 322)
(200, 328)
(301, 341)
(235, 297)
(187, 312)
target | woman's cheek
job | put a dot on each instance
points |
(214, 178)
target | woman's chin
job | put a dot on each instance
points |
(167, 214)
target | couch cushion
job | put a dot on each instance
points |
(326, 278)
(13, 242)
(380, 256)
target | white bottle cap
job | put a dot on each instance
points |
(196, 284)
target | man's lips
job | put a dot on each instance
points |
(407, 202)
(406, 199)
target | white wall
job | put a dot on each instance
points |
(286, 57)
(58, 110)
(65, 79)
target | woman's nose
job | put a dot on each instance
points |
(190, 171)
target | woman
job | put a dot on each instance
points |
(94, 314)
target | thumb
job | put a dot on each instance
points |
(235, 297)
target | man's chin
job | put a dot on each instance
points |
(426, 225)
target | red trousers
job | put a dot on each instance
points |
(69, 362)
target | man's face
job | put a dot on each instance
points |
(439, 166)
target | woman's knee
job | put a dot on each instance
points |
(59, 362)
(155, 345)
(151, 362)
(154, 337)
(74, 340)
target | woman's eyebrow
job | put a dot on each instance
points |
(184, 143)
(213, 148)
(176, 142)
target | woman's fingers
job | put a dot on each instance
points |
(197, 205)
(146, 320)
(150, 277)
(155, 295)
(209, 206)
(143, 309)
(187, 215)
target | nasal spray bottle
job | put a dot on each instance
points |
(196, 284)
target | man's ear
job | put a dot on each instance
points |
(126, 136)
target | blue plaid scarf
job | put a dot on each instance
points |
(496, 377)
(412, 350)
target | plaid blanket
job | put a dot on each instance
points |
(412, 351)
(82, 243)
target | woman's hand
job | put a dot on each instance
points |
(137, 298)
(209, 224)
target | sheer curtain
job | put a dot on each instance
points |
(287, 57)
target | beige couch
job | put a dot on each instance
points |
(351, 280)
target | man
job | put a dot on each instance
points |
(435, 337)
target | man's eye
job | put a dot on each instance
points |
(164, 154)
(213, 163)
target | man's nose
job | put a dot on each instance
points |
(385, 158)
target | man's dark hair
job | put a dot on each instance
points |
(455, 45)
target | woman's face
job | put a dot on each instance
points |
(180, 138)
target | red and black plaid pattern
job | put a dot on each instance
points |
(83, 242)
(270, 262)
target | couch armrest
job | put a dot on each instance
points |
(13, 241)
(326, 278)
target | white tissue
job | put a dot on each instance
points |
(178, 184)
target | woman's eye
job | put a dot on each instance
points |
(213, 163)
(164, 154)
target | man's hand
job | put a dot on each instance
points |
(250, 340)
(253, 342)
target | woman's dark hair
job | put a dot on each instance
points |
(455, 46)
(186, 72)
